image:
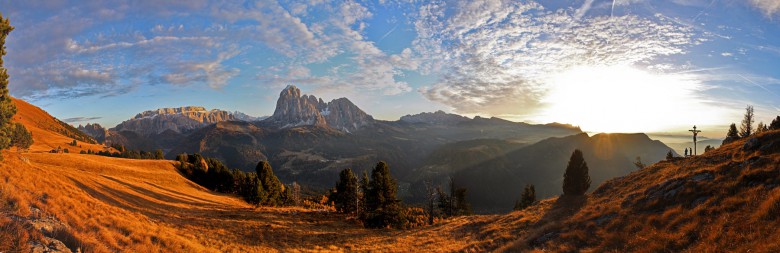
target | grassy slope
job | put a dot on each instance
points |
(111, 204)
(48, 132)
(727, 200)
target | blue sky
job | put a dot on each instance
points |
(613, 66)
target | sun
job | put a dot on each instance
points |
(624, 98)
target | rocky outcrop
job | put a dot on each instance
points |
(96, 131)
(294, 109)
(179, 120)
(439, 118)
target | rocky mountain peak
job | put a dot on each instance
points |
(294, 109)
(95, 130)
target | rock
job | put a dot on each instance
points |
(704, 176)
(178, 120)
(434, 118)
(96, 131)
(294, 109)
(751, 144)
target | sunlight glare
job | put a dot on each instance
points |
(625, 99)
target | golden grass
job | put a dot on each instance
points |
(44, 129)
(112, 204)
(734, 209)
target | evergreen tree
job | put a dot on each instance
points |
(669, 155)
(346, 195)
(462, 206)
(269, 187)
(158, 154)
(708, 148)
(576, 180)
(746, 129)
(733, 131)
(527, 198)
(445, 203)
(7, 107)
(364, 187)
(383, 209)
(775, 124)
(20, 137)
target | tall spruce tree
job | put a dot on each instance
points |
(346, 195)
(7, 107)
(383, 208)
(576, 180)
(746, 129)
(269, 188)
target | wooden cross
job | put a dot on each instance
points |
(695, 132)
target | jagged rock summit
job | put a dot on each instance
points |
(182, 119)
(96, 131)
(294, 109)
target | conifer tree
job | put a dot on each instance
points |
(775, 124)
(269, 188)
(669, 155)
(7, 107)
(346, 195)
(733, 131)
(383, 209)
(527, 198)
(576, 180)
(20, 137)
(746, 129)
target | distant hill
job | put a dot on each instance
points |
(495, 172)
(49, 133)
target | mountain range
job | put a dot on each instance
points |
(309, 141)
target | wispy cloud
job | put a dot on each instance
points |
(499, 54)
(80, 119)
(768, 7)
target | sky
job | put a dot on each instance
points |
(606, 66)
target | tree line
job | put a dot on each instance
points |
(746, 128)
(260, 187)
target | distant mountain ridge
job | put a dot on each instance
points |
(179, 120)
(438, 117)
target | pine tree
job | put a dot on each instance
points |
(733, 131)
(345, 196)
(383, 209)
(775, 124)
(746, 129)
(20, 137)
(269, 188)
(7, 107)
(576, 180)
(527, 198)
(669, 155)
